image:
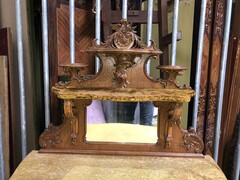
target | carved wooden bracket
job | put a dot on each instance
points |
(174, 116)
(68, 112)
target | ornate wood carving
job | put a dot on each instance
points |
(174, 116)
(123, 62)
(208, 18)
(50, 137)
(68, 112)
(192, 140)
(214, 68)
(214, 21)
(205, 69)
(219, 18)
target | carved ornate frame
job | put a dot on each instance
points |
(122, 77)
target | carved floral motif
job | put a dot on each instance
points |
(122, 64)
(208, 18)
(191, 140)
(123, 46)
(202, 101)
(219, 20)
(211, 119)
(201, 111)
(50, 137)
(119, 39)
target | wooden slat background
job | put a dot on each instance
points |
(84, 34)
(6, 50)
(4, 101)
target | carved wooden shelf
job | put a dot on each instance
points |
(126, 95)
(123, 78)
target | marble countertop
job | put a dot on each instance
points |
(41, 166)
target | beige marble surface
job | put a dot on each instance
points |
(40, 166)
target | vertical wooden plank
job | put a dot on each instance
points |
(214, 69)
(84, 34)
(4, 120)
(204, 69)
(53, 61)
(163, 30)
(6, 50)
(231, 105)
(106, 16)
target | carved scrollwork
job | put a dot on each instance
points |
(68, 112)
(124, 37)
(192, 140)
(50, 137)
(124, 46)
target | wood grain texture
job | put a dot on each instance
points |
(214, 70)
(204, 70)
(84, 34)
(231, 105)
(4, 103)
(122, 77)
(6, 50)
(53, 58)
(58, 25)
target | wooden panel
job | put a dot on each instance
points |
(6, 50)
(231, 105)
(84, 34)
(53, 47)
(204, 72)
(214, 69)
(212, 46)
(58, 25)
(4, 103)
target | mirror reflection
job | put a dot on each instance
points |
(124, 122)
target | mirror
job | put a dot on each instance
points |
(124, 122)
